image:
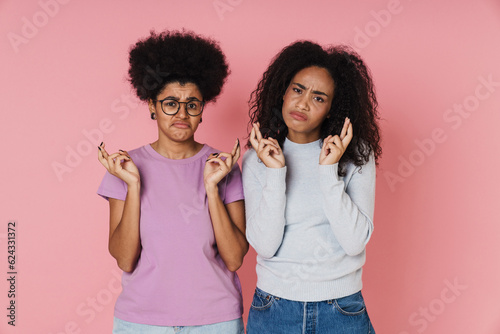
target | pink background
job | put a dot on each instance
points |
(433, 262)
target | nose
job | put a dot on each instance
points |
(182, 113)
(303, 102)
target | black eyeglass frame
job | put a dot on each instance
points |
(179, 106)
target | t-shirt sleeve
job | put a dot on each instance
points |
(112, 187)
(234, 186)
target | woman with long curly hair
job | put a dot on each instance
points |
(309, 182)
(177, 222)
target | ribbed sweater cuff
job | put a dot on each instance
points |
(310, 291)
(328, 175)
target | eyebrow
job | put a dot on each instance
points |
(317, 92)
(191, 98)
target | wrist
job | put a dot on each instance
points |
(211, 189)
(327, 161)
(274, 164)
(134, 186)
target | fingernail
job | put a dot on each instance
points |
(99, 148)
(238, 142)
(120, 150)
(217, 155)
(101, 143)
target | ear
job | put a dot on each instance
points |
(152, 106)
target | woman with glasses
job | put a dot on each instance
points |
(309, 186)
(177, 225)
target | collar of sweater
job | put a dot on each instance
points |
(291, 146)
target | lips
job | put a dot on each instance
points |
(181, 125)
(298, 116)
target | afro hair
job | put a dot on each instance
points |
(177, 56)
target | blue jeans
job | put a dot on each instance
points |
(226, 327)
(273, 315)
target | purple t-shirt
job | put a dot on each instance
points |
(180, 278)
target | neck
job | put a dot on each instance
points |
(302, 138)
(177, 150)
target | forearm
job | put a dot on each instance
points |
(124, 242)
(265, 213)
(231, 241)
(351, 227)
(350, 215)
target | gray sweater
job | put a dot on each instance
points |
(308, 226)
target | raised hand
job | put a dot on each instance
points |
(268, 150)
(120, 165)
(216, 168)
(335, 146)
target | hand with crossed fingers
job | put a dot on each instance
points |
(335, 146)
(120, 165)
(268, 150)
(217, 168)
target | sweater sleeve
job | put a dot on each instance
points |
(350, 211)
(265, 202)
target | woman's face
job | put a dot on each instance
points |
(306, 103)
(181, 126)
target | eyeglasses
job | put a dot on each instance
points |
(171, 107)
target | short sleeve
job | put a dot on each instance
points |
(234, 186)
(112, 187)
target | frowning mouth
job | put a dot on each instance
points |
(298, 116)
(181, 125)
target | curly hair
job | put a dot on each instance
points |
(354, 97)
(177, 56)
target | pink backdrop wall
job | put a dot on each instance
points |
(433, 261)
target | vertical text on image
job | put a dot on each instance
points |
(12, 273)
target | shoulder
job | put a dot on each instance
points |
(206, 150)
(139, 152)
